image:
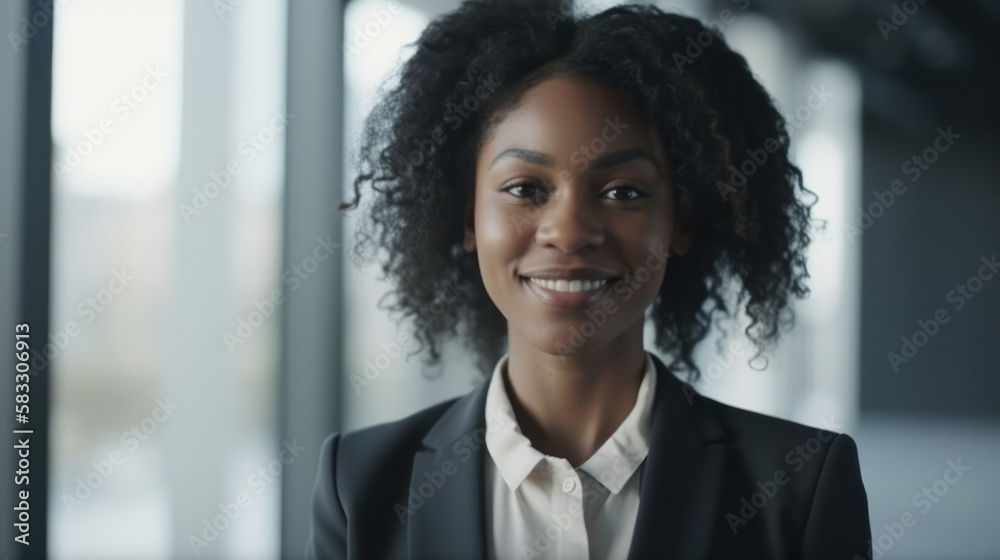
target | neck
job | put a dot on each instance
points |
(568, 406)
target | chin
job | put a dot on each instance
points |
(569, 341)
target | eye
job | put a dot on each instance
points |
(634, 191)
(533, 190)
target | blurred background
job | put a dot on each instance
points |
(169, 172)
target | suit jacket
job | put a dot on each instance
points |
(718, 482)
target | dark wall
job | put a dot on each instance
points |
(929, 240)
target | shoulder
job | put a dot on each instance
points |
(814, 473)
(396, 436)
(375, 452)
(751, 434)
(767, 445)
(758, 429)
(359, 472)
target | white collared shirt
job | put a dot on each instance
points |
(539, 506)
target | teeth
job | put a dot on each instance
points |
(569, 285)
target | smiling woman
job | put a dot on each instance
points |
(590, 223)
(588, 185)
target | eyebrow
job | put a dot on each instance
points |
(606, 160)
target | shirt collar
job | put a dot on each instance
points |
(612, 464)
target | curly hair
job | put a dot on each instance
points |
(471, 66)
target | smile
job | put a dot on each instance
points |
(568, 294)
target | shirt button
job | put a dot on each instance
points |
(569, 485)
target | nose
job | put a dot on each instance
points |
(569, 221)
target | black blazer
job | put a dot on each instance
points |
(718, 482)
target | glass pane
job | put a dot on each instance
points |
(168, 157)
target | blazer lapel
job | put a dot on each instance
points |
(682, 476)
(447, 517)
(678, 498)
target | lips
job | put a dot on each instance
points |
(568, 285)
(582, 294)
(580, 273)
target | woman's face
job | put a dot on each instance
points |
(574, 186)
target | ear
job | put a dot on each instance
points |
(469, 222)
(683, 235)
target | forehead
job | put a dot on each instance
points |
(560, 115)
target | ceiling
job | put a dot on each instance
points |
(937, 67)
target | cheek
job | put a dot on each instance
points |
(498, 244)
(645, 239)
(493, 225)
(640, 233)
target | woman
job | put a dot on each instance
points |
(569, 175)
